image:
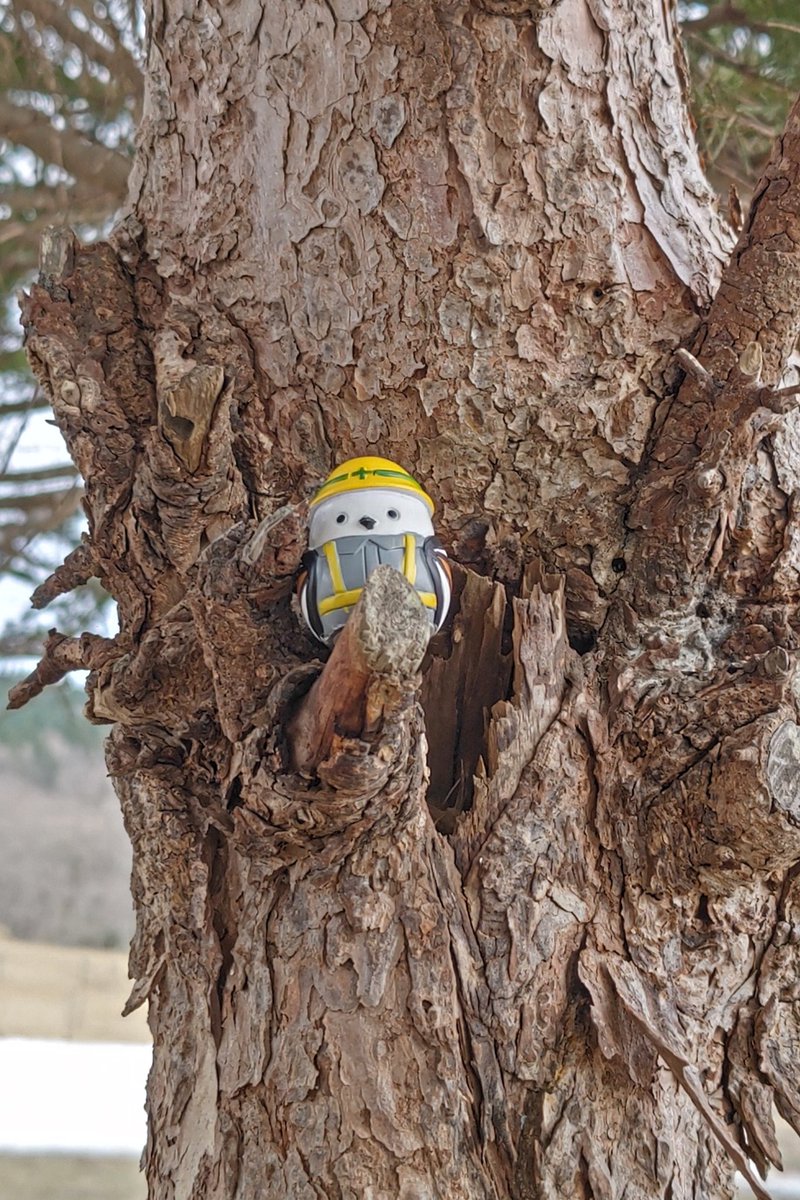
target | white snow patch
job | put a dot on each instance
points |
(81, 1097)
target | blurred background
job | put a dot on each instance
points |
(72, 1071)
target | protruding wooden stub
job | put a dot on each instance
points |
(78, 568)
(56, 253)
(782, 769)
(751, 361)
(374, 661)
(693, 367)
(62, 654)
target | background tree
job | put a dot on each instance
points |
(471, 235)
(70, 86)
(745, 73)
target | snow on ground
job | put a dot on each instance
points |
(82, 1097)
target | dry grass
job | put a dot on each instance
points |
(66, 992)
(70, 1177)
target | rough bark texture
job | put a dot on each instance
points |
(470, 236)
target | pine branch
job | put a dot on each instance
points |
(78, 156)
(117, 61)
(728, 60)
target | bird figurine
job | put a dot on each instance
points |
(369, 511)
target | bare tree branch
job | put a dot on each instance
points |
(764, 268)
(63, 502)
(38, 474)
(61, 655)
(688, 503)
(47, 512)
(77, 568)
(20, 645)
(79, 156)
(81, 202)
(36, 403)
(728, 14)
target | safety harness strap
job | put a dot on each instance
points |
(344, 597)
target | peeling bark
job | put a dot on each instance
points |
(521, 923)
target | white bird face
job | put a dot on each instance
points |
(373, 512)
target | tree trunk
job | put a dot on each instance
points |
(468, 235)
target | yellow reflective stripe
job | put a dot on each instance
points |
(332, 557)
(348, 599)
(410, 558)
(340, 600)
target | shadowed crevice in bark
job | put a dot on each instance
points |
(468, 672)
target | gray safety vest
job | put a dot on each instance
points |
(340, 568)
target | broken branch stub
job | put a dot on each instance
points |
(77, 569)
(372, 666)
(61, 655)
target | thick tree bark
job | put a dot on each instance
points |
(470, 236)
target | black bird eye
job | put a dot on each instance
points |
(393, 513)
(342, 517)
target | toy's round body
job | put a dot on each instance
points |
(369, 512)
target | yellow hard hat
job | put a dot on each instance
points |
(368, 472)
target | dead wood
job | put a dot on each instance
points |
(374, 663)
(63, 654)
(78, 568)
